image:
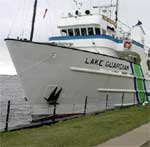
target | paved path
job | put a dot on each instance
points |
(134, 138)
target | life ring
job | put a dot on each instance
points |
(127, 44)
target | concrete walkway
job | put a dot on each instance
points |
(134, 138)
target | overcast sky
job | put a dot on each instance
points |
(15, 20)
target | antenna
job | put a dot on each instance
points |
(33, 20)
(110, 9)
(103, 7)
(117, 8)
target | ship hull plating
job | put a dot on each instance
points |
(43, 67)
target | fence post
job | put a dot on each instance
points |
(85, 105)
(54, 112)
(7, 116)
(107, 101)
(122, 100)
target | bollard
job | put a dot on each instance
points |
(7, 117)
(85, 105)
(122, 100)
(107, 101)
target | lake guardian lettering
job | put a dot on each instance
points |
(107, 64)
(94, 61)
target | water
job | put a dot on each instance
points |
(20, 109)
(11, 89)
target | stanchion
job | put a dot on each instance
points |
(85, 105)
(134, 99)
(107, 101)
(122, 100)
(54, 112)
(7, 117)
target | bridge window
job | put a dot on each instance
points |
(83, 31)
(97, 31)
(110, 29)
(77, 32)
(90, 31)
(64, 32)
(70, 32)
(103, 32)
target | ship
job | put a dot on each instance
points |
(95, 56)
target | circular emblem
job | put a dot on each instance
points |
(127, 44)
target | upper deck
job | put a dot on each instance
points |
(90, 24)
(81, 20)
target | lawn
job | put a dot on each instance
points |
(86, 131)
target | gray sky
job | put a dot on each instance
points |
(16, 19)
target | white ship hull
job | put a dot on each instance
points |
(43, 67)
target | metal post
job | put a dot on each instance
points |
(107, 101)
(116, 13)
(122, 100)
(54, 112)
(33, 20)
(7, 117)
(85, 105)
(134, 99)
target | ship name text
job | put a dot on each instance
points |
(106, 64)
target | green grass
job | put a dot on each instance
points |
(81, 132)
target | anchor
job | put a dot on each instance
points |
(53, 97)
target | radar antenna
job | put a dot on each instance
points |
(106, 7)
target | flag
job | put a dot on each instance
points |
(45, 13)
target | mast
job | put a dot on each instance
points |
(117, 7)
(33, 20)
